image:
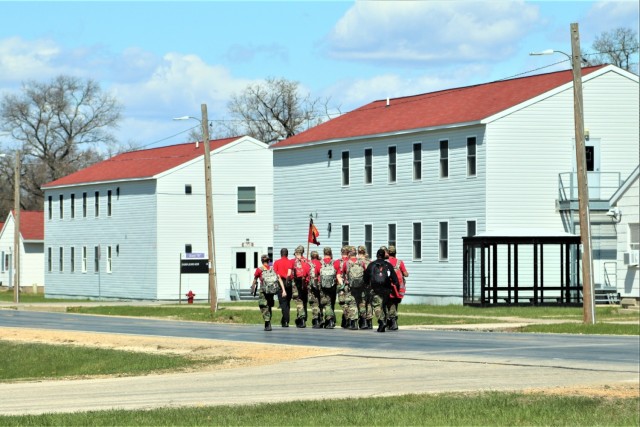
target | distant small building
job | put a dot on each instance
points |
(31, 250)
(119, 229)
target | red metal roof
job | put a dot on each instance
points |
(31, 224)
(138, 164)
(446, 107)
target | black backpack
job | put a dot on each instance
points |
(380, 275)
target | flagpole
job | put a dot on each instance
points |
(309, 231)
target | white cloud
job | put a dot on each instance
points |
(456, 31)
(24, 60)
(609, 15)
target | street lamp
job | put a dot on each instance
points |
(589, 315)
(16, 230)
(208, 196)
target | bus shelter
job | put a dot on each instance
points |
(522, 267)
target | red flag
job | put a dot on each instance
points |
(313, 233)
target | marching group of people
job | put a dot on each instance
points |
(361, 286)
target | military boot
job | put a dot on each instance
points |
(362, 323)
(316, 324)
(369, 323)
(381, 326)
(353, 325)
(394, 324)
(267, 325)
(331, 323)
(344, 321)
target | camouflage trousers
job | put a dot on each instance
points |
(363, 299)
(379, 303)
(301, 296)
(320, 302)
(265, 302)
(392, 307)
(348, 303)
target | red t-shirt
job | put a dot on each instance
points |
(398, 293)
(318, 266)
(336, 264)
(306, 268)
(282, 267)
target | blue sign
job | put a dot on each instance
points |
(194, 255)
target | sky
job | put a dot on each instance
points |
(164, 59)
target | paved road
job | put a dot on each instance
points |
(367, 364)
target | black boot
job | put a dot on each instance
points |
(267, 325)
(344, 321)
(353, 325)
(316, 324)
(369, 323)
(300, 323)
(331, 323)
(381, 326)
(394, 324)
(362, 323)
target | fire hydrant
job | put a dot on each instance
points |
(190, 295)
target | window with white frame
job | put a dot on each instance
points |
(417, 241)
(84, 259)
(471, 156)
(345, 168)
(61, 198)
(634, 236)
(49, 207)
(97, 204)
(96, 259)
(2, 263)
(109, 257)
(49, 261)
(391, 234)
(443, 241)
(72, 259)
(84, 205)
(246, 199)
(345, 235)
(109, 203)
(417, 161)
(392, 163)
(368, 237)
(73, 206)
(444, 159)
(368, 165)
(61, 259)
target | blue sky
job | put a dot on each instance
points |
(163, 59)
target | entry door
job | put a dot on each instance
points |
(244, 262)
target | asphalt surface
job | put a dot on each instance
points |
(366, 364)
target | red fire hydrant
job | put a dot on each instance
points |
(190, 295)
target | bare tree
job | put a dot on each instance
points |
(60, 126)
(616, 47)
(272, 110)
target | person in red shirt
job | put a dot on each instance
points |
(265, 302)
(350, 309)
(314, 291)
(397, 293)
(301, 269)
(340, 294)
(283, 267)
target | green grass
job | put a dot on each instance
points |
(456, 409)
(581, 328)
(38, 361)
(7, 296)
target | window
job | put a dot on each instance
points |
(96, 259)
(391, 234)
(246, 199)
(368, 237)
(471, 228)
(84, 205)
(368, 165)
(61, 206)
(345, 235)
(471, 156)
(61, 259)
(72, 259)
(109, 259)
(241, 260)
(188, 249)
(109, 203)
(49, 201)
(392, 164)
(417, 162)
(417, 240)
(444, 159)
(48, 259)
(345, 168)
(84, 259)
(443, 240)
(188, 189)
(589, 152)
(634, 236)
(97, 203)
(73, 206)
(2, 263)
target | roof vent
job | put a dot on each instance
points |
(387, 101)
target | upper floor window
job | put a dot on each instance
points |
(97, 203)
(417, 162)
(246, 199)
(73, 206)
(471, 156)
(84, 205)
(443, 240)
(392, 164)
(368, 165)
(444, 159)
(49, 206)
(345, 168)
(109, 203)
(61, 206)
(188, 189)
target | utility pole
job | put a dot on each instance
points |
(589, 315)
(209, 195)
(16, 231)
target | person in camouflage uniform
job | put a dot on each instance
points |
(350, 308)
(301, 268)
(395, 298)
(265, 300)
(340, 293)
(314, 291)
(364, 296)
(380, 275)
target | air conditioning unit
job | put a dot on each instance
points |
(632, 258)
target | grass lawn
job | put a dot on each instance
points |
(457, 409)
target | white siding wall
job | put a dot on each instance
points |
(306, 182)
(628, 277)
(130, 231)
(527, 150)
(182, 218)
(31, 259)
